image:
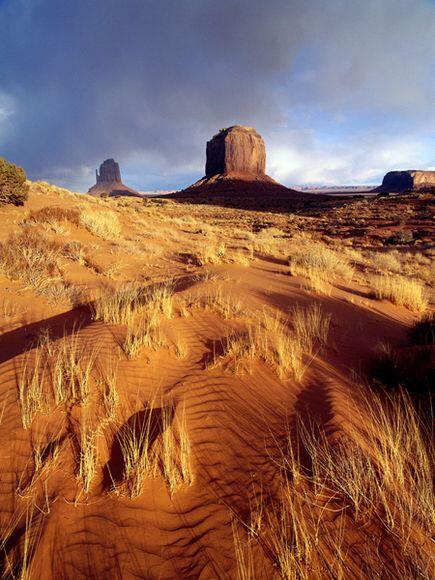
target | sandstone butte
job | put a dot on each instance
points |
(109, 181)
(410, 180)
(236, 168)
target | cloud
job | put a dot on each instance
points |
(150, 82)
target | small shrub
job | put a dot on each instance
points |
(102, 224)
(401, 291)
(13, 186)
(320, 265)
(423, 331)
(54, 215)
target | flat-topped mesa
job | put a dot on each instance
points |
(235, 174)
(236, 150)
(412, 180)
(109, 181)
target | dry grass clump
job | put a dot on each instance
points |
(320, 265)
(270, 339)
(33, 258)
(222, 301)
(54, 217)
(401, 291)
(268, 241)
(423, 331)
(143, 332)
(53, 373)
(386, 261)
(155, 443)
(30, 381)
(104, 224)
(120, 304)
(88, 457)
(76, 252)
(212, 252)
(373, 487)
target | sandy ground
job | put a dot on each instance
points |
(238, 420)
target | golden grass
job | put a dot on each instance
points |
(88, 457)
(372, 486)
(146, 456)
(71, 369)
(108, 378)
(320, 265)
(269, 338)
(222, 301)
(104, 224)
(143, 332)
(33, 258)
(401, 291)
(119, 304)
(211, 252)
(30, 381)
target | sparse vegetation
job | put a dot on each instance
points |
(270, 339)
(104, 224)
(401, 291)
(320, 265)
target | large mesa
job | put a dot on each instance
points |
(237, 150)
(411, 180)
(109, 181)
(235, 170)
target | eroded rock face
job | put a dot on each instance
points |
(109, 181)
(236, 150)
(399, 181)
(109, 171)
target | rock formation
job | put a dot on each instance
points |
(109, 181)
(235, 173)
(236, 150)
(412, 180)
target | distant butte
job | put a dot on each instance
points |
(236, 169)
(411, 180)
(109, 181)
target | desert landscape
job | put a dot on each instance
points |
(190, 390)
(217, 300)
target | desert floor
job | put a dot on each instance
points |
(188, 391)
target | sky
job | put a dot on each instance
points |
(342, 91)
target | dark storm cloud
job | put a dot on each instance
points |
(149, 81)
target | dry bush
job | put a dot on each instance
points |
(320, 265)
(33, 258)
(104, 224)
(423, 331)
(76, 252)
(143, 332)
(88, 457)
(401, 291)
(268, 338)
(30, 381)
(372, 487)
(212, 252)
(144, 455)
(222, 301)
(54, 217)
(386, 261)
(121, 303)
